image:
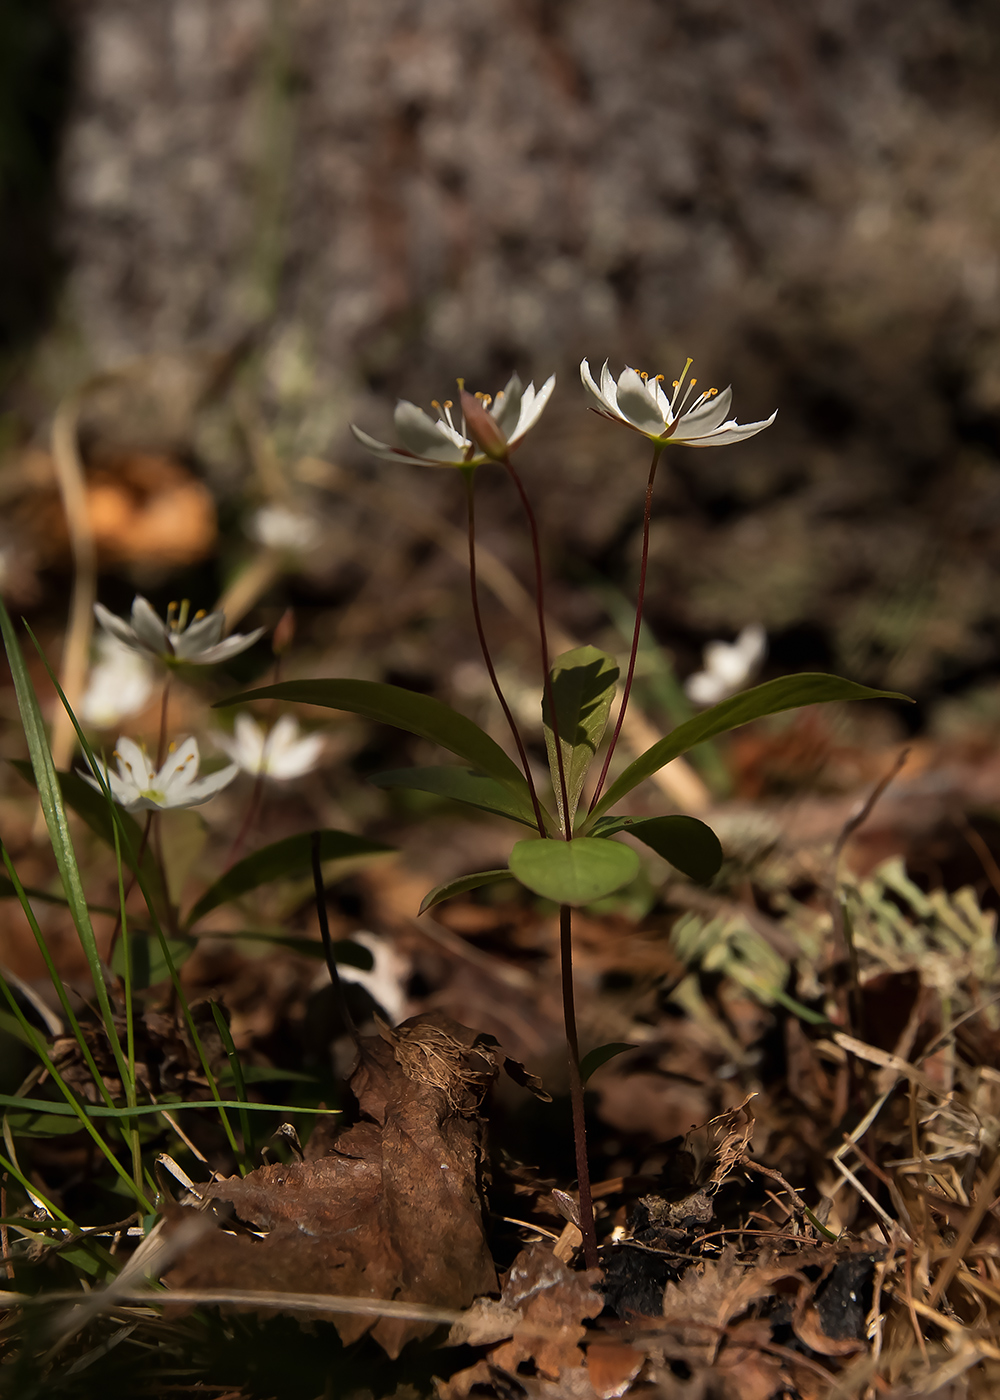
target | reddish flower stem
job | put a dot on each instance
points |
(544, 639)
(587, 1227)
(484, 647)
(657, 450)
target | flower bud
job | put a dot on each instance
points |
(482, 427)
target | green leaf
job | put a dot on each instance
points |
(284, 860)
(406, 709)
(583, 686)
(786, 693)
(600, 1055)
(345, 950)
(687, 843)
(92, 807)
(573, 872)
(462, 785)
(150, 964)
(7, 891)
(466, 882)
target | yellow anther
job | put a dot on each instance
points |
(435, 404)
(449, 403)
(712, 392)
(643, 375)
(693, 383)
(172, 747)
(200, 614)
(675, 384)
(659, 379)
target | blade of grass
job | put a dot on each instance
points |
(62, 1110)
(50, 796)
(237, 1068)
(143, 884)
(57, 982)
(33, 1192)
(74, 1105)
(130, 1094)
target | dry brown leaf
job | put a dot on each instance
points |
(393, 1211)
(710, 1295)
(550, 1304)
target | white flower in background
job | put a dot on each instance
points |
(139, 787)
(277, 753)
(640, 402)
(445, 441)
(121, 683)
(728, 667)
(386, 980)
(283, 529)
(199, 643)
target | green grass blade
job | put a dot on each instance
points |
(88, 1111)
(130, 854)
(50, 796)
(234, 1063)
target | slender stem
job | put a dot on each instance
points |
(253, 812)
(161, 745)
(544, 640)
(143, 843)
(324, 928)
(638, 627)
(484, 647)
(587, 1227)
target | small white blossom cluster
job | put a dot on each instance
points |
(122, 682)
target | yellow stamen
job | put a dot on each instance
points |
(172, 747)
(200, 614)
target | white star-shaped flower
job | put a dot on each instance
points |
(139, 787)
(279, 753)
(445, 441)
(284, 529)
(641, 403)
(728, 667)
(199, 643)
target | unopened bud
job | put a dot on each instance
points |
(482, 427)
(284, 632)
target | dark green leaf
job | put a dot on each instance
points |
(7, 891)
(688, 844)
(345, 950)
(406, 709)
(461, 886)
(786, 693)
(462, 785)
(290, 859)
(583, 686)
(600, 1055)
(573, 872)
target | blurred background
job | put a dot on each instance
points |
(241, 224)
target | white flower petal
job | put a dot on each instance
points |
(636, 404)
(425, 437)
(728, 432)
(133, 763)
(698, 421)
(179, 769)
(231, 646)
(382, 449)
(506, 407)
(532, 407)
(117, 627)
(704, 689)
(203, 788)
(203, 633)
(149, 628)
(609, 389)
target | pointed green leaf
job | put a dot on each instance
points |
(461, 886)
(689, 845)
(284, 860)
(406, 709)
(573, 872)
(600, 1055)
(583, 686)
(786, 693)
(462, 785)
